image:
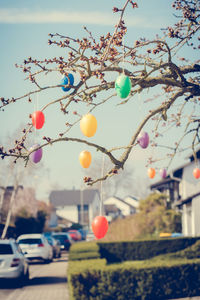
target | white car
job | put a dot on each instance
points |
(35, 246)
(13, 264)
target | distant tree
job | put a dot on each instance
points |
(41, 219)
(27, 223)
(16, 176)
(154, 217)
(127, 182)
(97, 62)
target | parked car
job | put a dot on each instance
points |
(35, 246)
(75, 235)
(64, 239)
(13, 264)
(90, 237)
(83, 233)
(55, 244)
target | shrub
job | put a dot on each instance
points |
(141, 250)
(84, 250)
(134, 280)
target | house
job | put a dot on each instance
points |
(112, 212)
(115, 206)
(170, 187)
(184, 194)
(77, 206)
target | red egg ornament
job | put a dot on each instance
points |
(38, 119)
(99, 226)
(143, 139)
(151, 173)
(196, 173)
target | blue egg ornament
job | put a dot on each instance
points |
(123, 86)
(65, 81)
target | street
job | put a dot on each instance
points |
(47, 281)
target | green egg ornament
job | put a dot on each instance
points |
(123, 86)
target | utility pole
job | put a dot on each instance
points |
(81, 208)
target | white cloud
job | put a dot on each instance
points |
(17, 16)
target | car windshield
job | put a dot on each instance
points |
(5, 249)
(30, 241)
(61, 237)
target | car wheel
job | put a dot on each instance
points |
(26, 277)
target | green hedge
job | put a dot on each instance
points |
(141, 250)
(84, 250)
(133, 280)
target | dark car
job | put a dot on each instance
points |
(83, 233)
(75, 235)
(64, 239)
(55, 244)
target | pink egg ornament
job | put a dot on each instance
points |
(36, 156)
(163, 173)
(143, 139)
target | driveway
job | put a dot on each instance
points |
(47, 282)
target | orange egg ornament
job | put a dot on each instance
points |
(196, 173)
(151, 173)
(88, 125)
(85, 159)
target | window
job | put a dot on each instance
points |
(30, 241)
(85, 214)
(5, 249)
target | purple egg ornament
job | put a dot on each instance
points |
(143, 139)
(36, 155)
(163, 173)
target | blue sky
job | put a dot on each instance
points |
(24, 28)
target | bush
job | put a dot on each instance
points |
(134, 280)
(87, 250)
(190, 252)
(141, 250)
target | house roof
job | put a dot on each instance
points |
(187, 200)
(132, 197)
(119, 199)
(72, 197)
(163, 182)
(111, 208)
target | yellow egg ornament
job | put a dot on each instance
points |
(85, 159)
(88, 125)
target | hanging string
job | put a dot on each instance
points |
(101, 191)
(35, 108)
(123, 47)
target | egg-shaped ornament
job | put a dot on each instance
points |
(38, 119)
(88, 125)
(85, 159)
(163, 173)
(143, 139)
(196, 173)
(36, 155)
(151, 173)
(123, 86)
(67, 80)
(99, 226)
